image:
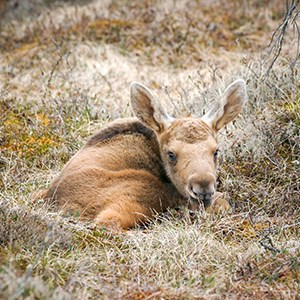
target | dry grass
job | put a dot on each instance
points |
(65, 72)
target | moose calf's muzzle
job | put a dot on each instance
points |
(202, 188)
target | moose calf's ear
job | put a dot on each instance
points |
(229, 107)
(146, 107)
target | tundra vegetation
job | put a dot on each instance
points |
(65, 72)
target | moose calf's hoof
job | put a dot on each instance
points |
(219, 204)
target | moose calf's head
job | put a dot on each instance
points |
(188, 146)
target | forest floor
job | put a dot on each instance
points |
(65, 72)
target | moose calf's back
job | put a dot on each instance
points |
(134, 168)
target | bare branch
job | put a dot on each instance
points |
(277, 39)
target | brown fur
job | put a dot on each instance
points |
(123, 175)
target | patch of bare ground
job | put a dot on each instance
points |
(65, 70)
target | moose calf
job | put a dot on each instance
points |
(136, 167)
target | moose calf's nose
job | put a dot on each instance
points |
(202, 188)
(197, 191)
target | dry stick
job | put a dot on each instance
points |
(267, 82)
(295, 24)
(267, 243)
(50, 77)
(278, 42)
(183, 100)
(167, 91)
(201, 93)
(297, 224)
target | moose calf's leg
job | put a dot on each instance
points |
(125, 215)
(219, 203)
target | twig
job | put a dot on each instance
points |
(291, 225)
(277, 39)
(166, 88)
(267, 243)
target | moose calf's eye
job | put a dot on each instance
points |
(172, 157)
(216, 154)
